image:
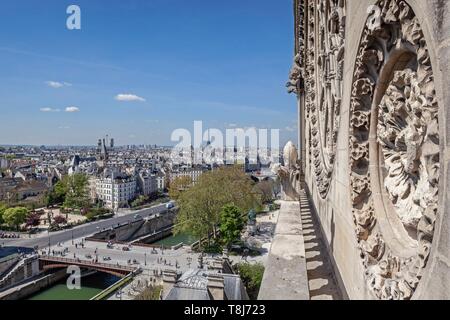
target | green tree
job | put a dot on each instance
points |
(231, 224)
(139, 201)
(58, 194)
(3, 208)
(178, 185)
(75, 188)
(51, 198)
(14, 217)
(200, 205)
(251, 275)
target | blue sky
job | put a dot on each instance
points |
(222, 62)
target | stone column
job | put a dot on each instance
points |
(301, 130)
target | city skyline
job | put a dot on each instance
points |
(138, 76)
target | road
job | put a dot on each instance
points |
(42, 241)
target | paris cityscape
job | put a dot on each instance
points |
(198, 151)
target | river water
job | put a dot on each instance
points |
(187, 239)
(90, 287)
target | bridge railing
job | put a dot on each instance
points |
(88, 263)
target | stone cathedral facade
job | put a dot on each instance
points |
(372, 79)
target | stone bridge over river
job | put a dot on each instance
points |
(49, 263)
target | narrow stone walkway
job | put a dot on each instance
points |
(321, 280)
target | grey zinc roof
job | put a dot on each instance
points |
(192, 285)
(177, 293)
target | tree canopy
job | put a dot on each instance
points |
(33, 220)
(251, 275)
(14, 217)
(231, 224)
(59, 220)
(266, 189)
(201, 205)
(72, 191)
(3, 208)
(178, 185)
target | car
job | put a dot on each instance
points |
(125, 248)
(170, 205)
(137, 217)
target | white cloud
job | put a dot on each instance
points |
(57, 85)
(232, 125)
(128, 97)
(291, 129)
(72, 109)
(64, 127)
(49, 110)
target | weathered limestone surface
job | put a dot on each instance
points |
(377, 141)
(285, 276)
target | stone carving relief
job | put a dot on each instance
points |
(289, 174)
(393, 99)
(323, 84)
(295, 83)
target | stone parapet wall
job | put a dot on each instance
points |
(285, 275)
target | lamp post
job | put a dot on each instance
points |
(72, 236)
(145, 258)
(48, 241)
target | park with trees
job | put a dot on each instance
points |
(70, 195)
(215, 207)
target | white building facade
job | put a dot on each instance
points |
(192, 172)
(116, 192)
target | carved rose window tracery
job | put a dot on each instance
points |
(324, 64)
(407, 132)
(395, 176)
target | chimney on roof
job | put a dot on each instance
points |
(216, 287)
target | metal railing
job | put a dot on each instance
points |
(88, 263)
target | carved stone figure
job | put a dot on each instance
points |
(289, 174)
(395, 176)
